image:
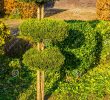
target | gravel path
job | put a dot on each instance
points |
(65, 10)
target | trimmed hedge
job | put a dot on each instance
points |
(20, 9)
(82, 43)
(104, 29)
(103, 9)
(46, 29)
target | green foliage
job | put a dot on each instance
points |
(81, 76)
(46, 29)
(94, 85)
(48, 58)
(81, 46)
(104, 29)
(4, 33)
(15, 78)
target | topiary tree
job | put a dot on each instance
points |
(40, 3)
(103, 9)
(45, 55)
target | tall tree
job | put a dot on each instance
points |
(40, 3)
(103, 9)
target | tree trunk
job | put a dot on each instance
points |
(42, 84)
(38, 85)
(40, 77)
(103, 9)
(40, 11)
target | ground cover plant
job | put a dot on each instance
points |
(84, 74)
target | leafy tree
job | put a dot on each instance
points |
(40, 3)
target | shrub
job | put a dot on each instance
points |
(52, 30)
(4, 33)
(26, 10)
(104, 29)
(48, 58)
(15, 78)
(81, 45)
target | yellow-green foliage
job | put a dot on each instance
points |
(104, 29)
(4, 33)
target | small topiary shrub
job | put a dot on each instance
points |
(46, 29)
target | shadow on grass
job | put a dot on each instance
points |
(52, 11)
(17, 47)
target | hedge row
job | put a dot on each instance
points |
(103, 9)
(20, 9)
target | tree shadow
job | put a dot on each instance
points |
(71, 61)
(16, 47)
(98, 49)
(94, 23)
(74, 41)
(1, 8)
(52, 11)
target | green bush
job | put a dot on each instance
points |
(4, 33)
(104, 29)
(51, 30)
(15, 78)
(82, 47)
(48, 58)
